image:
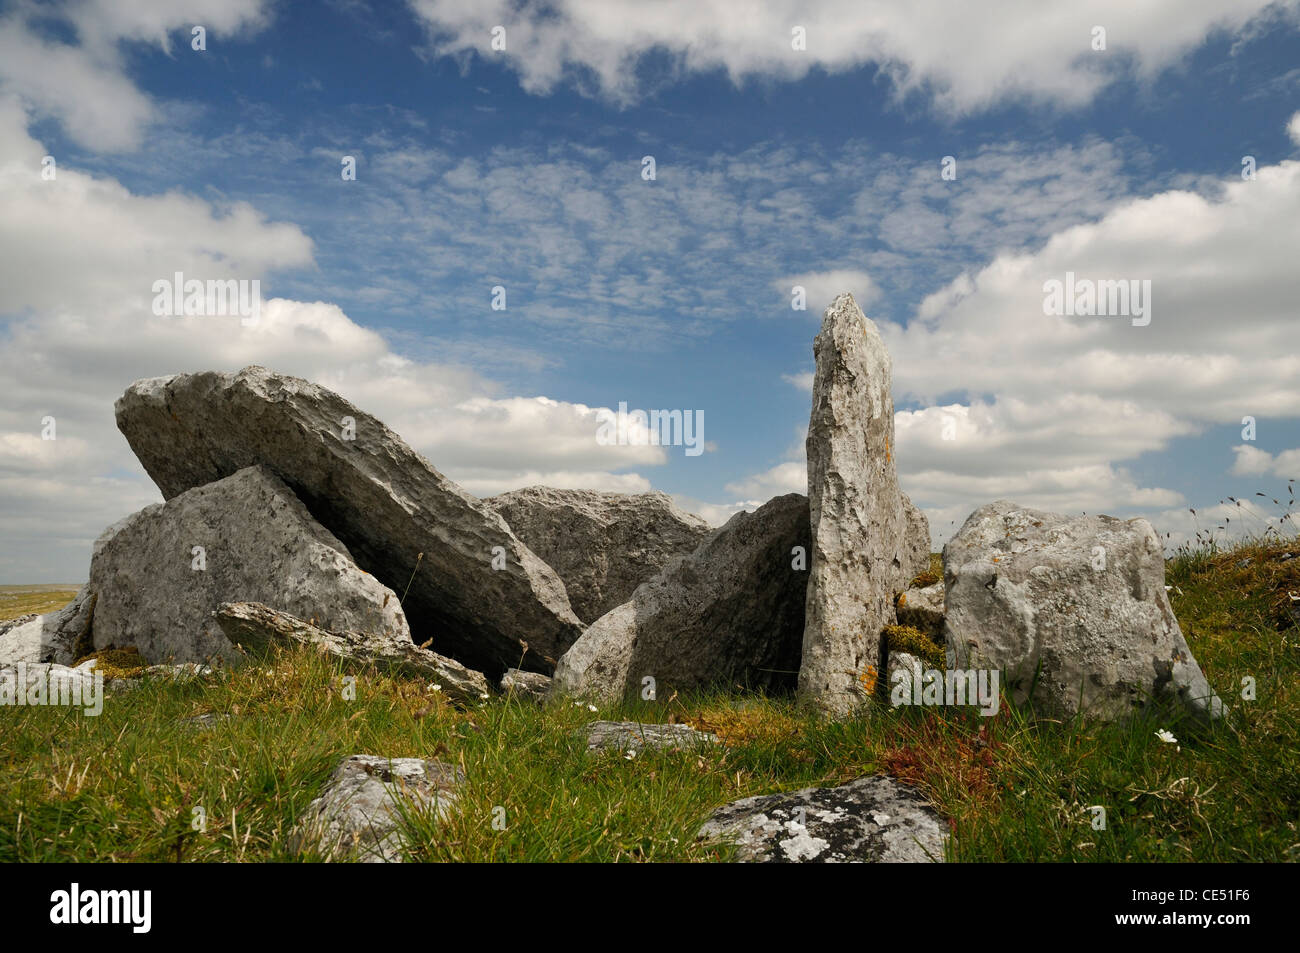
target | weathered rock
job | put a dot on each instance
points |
(51, 684)
(633, 736)
(1071, 608)
(383, 500)
(923, 609)
(259, 544)
(257, 627)
(532, 684)
(903, 673)
(603, 545)
(859, 530)
(870, 820)
(732, 611)
(358, 814)
(52, 637)
(916, 540)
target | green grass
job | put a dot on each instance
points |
(122, 786)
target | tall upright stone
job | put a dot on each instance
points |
(859, 528)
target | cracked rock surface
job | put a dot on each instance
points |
(1071, 609)
(871, 820)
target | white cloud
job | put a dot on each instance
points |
(1293, 128)
(86, 86)
(967, 56)
(78, 257)
(1251, 461)
(803, 382)
(822, 287)
(790, 477)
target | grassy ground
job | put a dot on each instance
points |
(123, 786)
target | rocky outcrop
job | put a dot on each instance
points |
(1072, 611)
(257, 627)
(730, 612)
(859, 528)
(603, 545)
(358, 816)
(631, 737)
(870, 820)
(246, 537)
(475, 589)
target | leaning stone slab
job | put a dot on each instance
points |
(257, 627)
(603, 545)
(859, 529)
(1071, 610)
(633, 736)
(870, 820)
(358, 814)
(731, 611)
(476, 590)
(243, 538)
(916, 540)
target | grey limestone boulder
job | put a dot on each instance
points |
(870, 820)
(1072, 611)
(476, 589)
(603, 545)
(245, 537)
(732, 611)
(358, 816)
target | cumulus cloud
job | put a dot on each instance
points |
(821, 287)
(1293, 128)
(85, 84)
(984, 54)
(1251, 461)
(78, 258)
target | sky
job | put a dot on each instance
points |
(942, 161)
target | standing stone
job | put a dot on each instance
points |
(258, 543)
(859, 530)
(1072, 611)
(476, 591)
(732, 611)
(603, 545)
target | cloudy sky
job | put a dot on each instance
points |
(793, 144)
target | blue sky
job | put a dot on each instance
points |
(775, 167)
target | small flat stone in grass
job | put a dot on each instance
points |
(635, 736)
(357, 817)
(871, 820)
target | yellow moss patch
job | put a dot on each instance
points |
(931, 575)
(906, 638)
(117, 663)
